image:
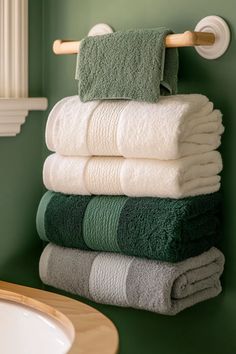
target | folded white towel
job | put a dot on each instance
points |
(188, 176)
(176, 126)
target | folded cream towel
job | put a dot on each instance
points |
(188, 176)
(176, 126)
(115, 279)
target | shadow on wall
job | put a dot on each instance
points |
(22, 268)
(201, 74)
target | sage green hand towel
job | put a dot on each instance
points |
(127, 65)
(156, 228)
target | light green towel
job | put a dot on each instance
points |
(127, 65)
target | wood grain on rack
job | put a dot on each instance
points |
(186, 39)
(94, 333)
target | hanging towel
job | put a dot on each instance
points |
(188, 176)
(127, 65)
(120, 280)
(175, 127)
(162, 229)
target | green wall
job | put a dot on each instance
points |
(208, 328)
(20, 176)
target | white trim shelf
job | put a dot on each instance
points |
(13, 112)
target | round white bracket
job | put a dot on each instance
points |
(100, 29)
(219, 27)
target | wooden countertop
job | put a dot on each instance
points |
(94, 332)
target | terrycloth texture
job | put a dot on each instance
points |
(162, 229)
(175, 127)
(127, 65)
(188, 176)
(115, 279)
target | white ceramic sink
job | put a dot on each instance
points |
(26, 331)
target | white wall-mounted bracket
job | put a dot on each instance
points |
(100, 29)
(220, 29)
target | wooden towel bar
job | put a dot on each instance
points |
(186, 39)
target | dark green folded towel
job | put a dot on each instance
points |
(127, 65)
(162, 229)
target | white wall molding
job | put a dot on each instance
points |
(14, 48)
(13, 112)
(14, 101)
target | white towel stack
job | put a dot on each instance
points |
(162, 149)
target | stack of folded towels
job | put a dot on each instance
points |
(132, 211)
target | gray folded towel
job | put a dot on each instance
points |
(115, 279)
